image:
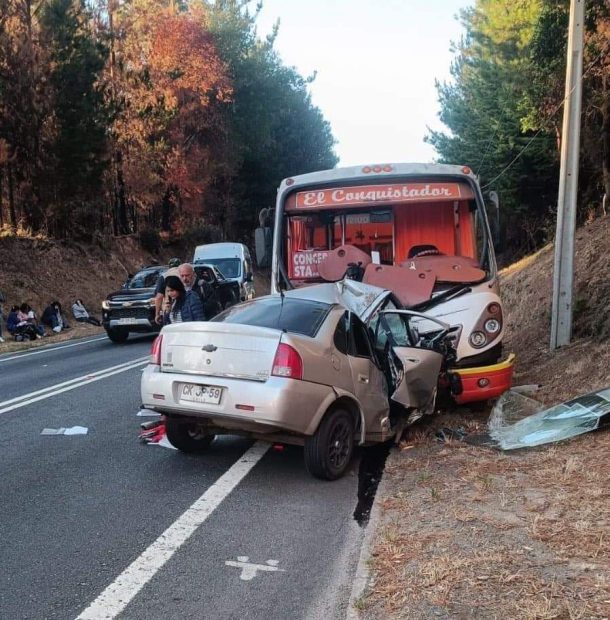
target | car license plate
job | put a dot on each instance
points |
(127, 321)
(206, 394)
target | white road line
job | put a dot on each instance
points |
(113, 600)
(50, 348)
(70, 381)
(33, 397)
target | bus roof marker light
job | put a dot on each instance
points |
(377, 169)
(366, 169)
(387, 168)
(466, 170)
(289, 181)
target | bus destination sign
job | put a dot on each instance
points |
(381, 194)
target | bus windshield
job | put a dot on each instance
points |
(395, 234)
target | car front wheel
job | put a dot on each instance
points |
(187, 436)
(328, 451)
(117, 335)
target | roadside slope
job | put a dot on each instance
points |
(470, 532)
(39, 270)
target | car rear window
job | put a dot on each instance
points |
(298, 316)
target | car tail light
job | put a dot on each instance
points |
(287, 363)
(155, 351)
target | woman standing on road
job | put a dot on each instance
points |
(184, 306)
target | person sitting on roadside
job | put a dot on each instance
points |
(27, 315)
(161, 298)
(18, 326)
(184, 306)
(54, 318)
(81, 314)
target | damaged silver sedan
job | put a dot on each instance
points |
(326, 367)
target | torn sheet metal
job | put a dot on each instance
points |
(518, 421)
(361, 299)
(415, 384)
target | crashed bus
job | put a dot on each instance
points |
(418, 230)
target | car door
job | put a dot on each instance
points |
(248, 277)
(413, 365)
(369, 383)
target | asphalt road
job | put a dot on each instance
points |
(102, 526)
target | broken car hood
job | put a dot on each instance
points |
(361, 299)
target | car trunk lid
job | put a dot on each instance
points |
(219, 350)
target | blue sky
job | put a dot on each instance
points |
(376, 63)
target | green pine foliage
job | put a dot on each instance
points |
(503, 110)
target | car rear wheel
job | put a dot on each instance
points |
(117, 335)
(187, 436)
(328, 451)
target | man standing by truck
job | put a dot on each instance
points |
(187, 274)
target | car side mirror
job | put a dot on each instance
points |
(249, 276)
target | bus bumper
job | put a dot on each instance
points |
(469, 385)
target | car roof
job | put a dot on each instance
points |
(154, 268)
(220, 250)
(357, 297)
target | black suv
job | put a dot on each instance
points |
(132, 309)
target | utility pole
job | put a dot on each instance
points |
(563, 275)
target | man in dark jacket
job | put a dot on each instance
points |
(211, 305)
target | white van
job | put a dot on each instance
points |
(233, 261)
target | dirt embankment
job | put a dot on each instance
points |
(527, 286)
(38, 271)
(471, 532)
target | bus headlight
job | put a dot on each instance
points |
(492, 326)
(106, 305)
(478, 339)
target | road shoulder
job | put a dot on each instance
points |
(468, 531)
(78, 330)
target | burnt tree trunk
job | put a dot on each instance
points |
(606, 134)
(166, 210)
(11, 198)
(1, 197)
(120, 198)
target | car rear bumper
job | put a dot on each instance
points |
(269, 406)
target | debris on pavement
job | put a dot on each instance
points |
(518, 421)
(448, 434)
(152, 432)
(72, 430)
(142, 413)
(528, 389)
(164, 443)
